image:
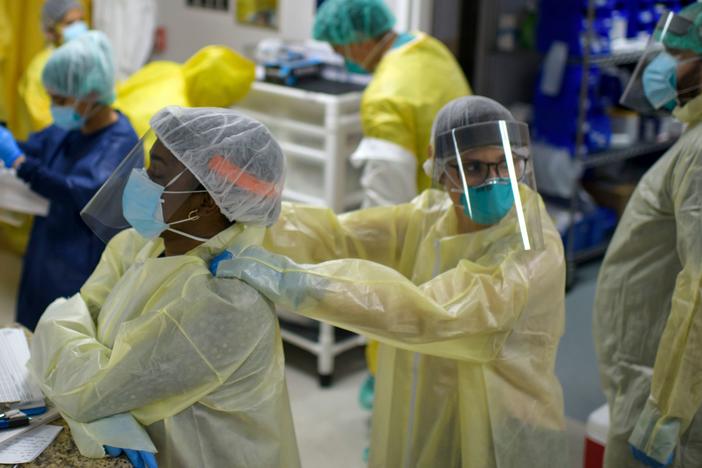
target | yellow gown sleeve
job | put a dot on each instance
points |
(34, 98)
(309, 234)
(390, 118)
(465, 313)
(163, 361)
(118, 256)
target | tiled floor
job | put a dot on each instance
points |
(332, 429)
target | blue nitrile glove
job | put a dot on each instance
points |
(138, 458)
(648, 461)
(275, 276)
(9, 151)
(214, 264)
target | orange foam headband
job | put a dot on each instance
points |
(241, 178)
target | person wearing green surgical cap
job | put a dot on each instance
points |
(62, 21)
(648, 306)
(67, 162)
(414, 75)
(396, 112)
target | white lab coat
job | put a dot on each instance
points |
(130, 26)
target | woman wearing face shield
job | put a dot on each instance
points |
(152, 337)
(463, 287)
(67, 163)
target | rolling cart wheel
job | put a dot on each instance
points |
(325, 380)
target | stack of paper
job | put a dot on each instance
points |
(15, 383)
(15, 195)
(23, 444)
(29, 446)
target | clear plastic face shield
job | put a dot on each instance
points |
(150, 191)
(488, 172)
(669, 74)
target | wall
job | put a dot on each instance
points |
(189, 29)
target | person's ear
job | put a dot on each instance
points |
(52, 36)
(208, 207)
(89, 103)
(358, 52)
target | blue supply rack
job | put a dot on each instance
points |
(585, 27)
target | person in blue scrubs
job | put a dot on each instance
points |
(67, 163)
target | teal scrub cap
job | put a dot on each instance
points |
(343, 22)
(82, 67)
(686, 33)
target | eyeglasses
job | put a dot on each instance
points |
(479, 172)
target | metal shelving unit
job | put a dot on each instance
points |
(617, 58)
(622, 154)
(599, 159)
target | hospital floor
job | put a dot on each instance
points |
(332, 429)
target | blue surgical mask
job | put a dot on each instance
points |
(660, 82)
(353, 67)
(142, 205)
(489, 203)
(74, 30)
(66, 117)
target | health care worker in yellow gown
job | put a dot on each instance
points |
(414, 75)
(461, 286)
(62, 21)
(196, 360)
(648, 307)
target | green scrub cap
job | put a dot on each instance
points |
(691, 38)
(82, 67)
(343, 22)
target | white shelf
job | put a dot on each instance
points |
(299, 197)
(301, 94)
(288, 124)
(354, 199)
(303, 152)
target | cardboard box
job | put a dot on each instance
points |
(610, 195)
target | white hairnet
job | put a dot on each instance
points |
(233, 156)
(81, 68)
(463, 111)
(53, 11)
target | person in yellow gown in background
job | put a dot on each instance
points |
(215, 76)
(414, 75)
(61, 20)
(24, 105)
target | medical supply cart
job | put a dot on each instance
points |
(318, 126)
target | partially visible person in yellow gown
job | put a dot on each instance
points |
(24, 50)
(215, 76)
(61, 20)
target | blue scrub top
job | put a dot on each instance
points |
(68, 168)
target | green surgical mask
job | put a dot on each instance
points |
(489, 203)
(353, 67)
